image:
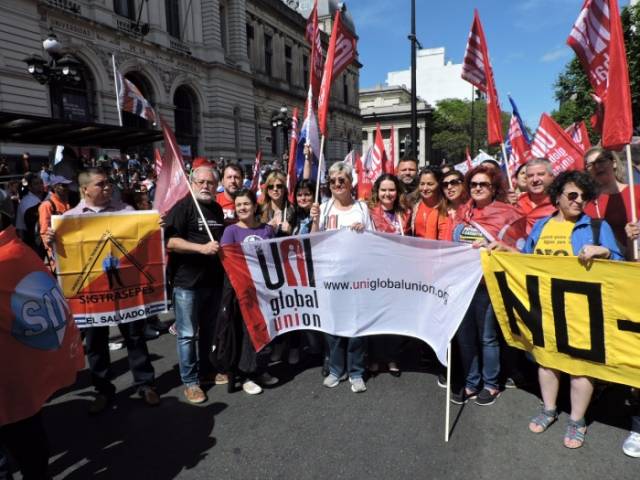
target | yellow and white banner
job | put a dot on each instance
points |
(583, 321)
(111, 266)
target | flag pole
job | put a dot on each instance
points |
(319, 168)
(115, 84)
(448, 396)
(506, 162)
(634, 216)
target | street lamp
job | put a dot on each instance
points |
(281, 124)
(60, 67)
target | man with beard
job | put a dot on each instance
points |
(231, 181)
(407, 173)
(196, 275)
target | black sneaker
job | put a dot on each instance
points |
(462, 397)
(442, 380)
(510, 383)
(485, 397)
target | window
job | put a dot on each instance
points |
(268, 53)
(74, 101)
(288, 63)
(172, 9)
(186, 118)
(126, 8)
(223, 27)
(305, 69)
(249, 38)
(345, 90)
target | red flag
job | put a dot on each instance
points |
(468, 159)
(376, 158)
(313, 36)
(476, 69)
(364, 184)
(391, 159)
(255, 180)
(580, 135)
(158, 162)
(520, 149)
(598, 41)
(342, 51)
(171, 185)
(552, 142)
(293, 148)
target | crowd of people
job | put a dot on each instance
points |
(582, 214)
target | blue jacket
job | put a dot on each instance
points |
(580, 236)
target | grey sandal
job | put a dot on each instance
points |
(544, 420)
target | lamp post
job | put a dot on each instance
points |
(281, 123)
(59, 68)
(414, 98)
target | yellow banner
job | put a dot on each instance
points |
(583, 321)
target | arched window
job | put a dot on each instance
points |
(74, 101)
(186, 119)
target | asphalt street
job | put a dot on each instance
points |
(302, 430)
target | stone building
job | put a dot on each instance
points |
(391, 107)
(216, 70)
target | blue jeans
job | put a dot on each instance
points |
(350, 349)
(196, 311)
(478, 341)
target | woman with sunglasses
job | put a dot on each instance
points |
(614, 202)
(250, 366)
(425, 218)
(480, 222)
(388, 215)
(455, 196)
(342, 211)
(276, 205)
(568, 232)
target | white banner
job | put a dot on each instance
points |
(350, 284)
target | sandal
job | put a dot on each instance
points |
(575, 433)
(543, 420)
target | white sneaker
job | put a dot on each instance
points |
(251, 388)
(357, 385)
(631, 445)
(267, 380)
(331, 380)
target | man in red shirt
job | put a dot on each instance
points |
(535, 204)
(231, 181)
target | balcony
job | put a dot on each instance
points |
(66, 5)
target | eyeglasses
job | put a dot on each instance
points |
(451, 183)
(337, 181)
(275, 186)
(600, 161)
(573, 196)
(481, 185)
(205, 182)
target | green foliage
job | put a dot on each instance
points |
(452, 129)
(573, 90)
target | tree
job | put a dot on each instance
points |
(573, 90)
(452, 129)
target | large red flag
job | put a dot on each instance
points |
(158, 162)
(313, 36)
(520, 149)
(171, 185)
(293, 148)
(580, 135)
(342, 51)
(598, 41)
(476, 69)
(376, 158)
(255, 179)
(552, 142)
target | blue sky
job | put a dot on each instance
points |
(526, 42)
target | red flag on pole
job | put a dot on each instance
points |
(171, 185)
(255, 180)
(158, 162)
(598, 41)
(342, 51)
(476, 69)
(520, 149)
(552, 142)
(293, 148)
(580, 135)
(390, 166)
(364, 183)
(317, 59)
(376, 157)
(468, 159)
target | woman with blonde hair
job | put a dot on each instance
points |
(276, 209)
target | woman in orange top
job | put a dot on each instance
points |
(455, 195)
(429, 205)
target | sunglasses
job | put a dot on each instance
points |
(451, 183)
(600, 161)
(276, 186)
(337, 181)
(481, 185)
(573, 196)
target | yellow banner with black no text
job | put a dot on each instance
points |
(583, 321)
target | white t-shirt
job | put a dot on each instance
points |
(331, 218)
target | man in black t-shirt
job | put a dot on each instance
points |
(196, 274)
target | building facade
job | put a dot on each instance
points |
(436, 78)
(216, 70)
(390, 106)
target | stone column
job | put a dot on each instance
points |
(237, 32)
